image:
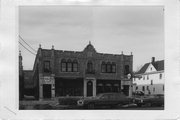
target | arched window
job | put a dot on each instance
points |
(47, 66)
(75, 66)
(69, 65)
(89, 66)
(108, 67)
(113, 67)
(103, 67)
(63, 65)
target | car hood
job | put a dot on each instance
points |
(89, 98)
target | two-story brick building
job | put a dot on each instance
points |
(80, 73)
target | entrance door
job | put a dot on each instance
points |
(89, 88)
(46, 91)
(126, 89)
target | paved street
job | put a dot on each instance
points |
(54, 105)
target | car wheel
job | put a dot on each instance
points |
(91, 106)
(139, 105)
(149, 104)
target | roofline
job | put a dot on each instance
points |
(151, 72)
(120, 54)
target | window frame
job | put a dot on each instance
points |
(73, 66)
(160, 76)
(108, 67)
(89, 66)
(103, 67)
(45, 68)
(113, 65)
(69, 65)
(63, 69)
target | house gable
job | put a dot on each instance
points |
(150, 68)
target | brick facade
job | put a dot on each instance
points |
(79, 73)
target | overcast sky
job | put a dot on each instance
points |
(110, 29)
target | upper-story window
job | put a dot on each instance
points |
(63, 65)
(75, 66)
(126, 69)
(46, 66)
(160, 76)
(108, 67)
(89, 66)
(143, 77)
(151, 82)
(103, 67)
(113, 67)
(69, 65)
(147, 77)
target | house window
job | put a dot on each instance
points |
(136, 87)
(63, 65)
(113, 67)
(89, 66)
(46, 66)
(108, 67)
(103, 67)
(143, 77)
(147, 87)
(75, 66)
(153, 89)
(69, 66)
(160, 76)
(147, 77)
(126, 69)
(143, 88)
(151, 68)
(151, 82)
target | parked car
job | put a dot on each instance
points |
(104, 100)
(150, 100)
(138, 93)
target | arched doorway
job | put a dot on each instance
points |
(89, 88)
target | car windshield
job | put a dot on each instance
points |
(99, 95)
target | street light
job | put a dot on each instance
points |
(129, 76)
(130, 86)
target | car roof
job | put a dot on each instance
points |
(112, 93)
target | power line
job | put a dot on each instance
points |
(27, 43)
(27, 49)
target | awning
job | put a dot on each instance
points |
(108, 84)
(100, 84)
(116, 85)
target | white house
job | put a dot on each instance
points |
(150, 78)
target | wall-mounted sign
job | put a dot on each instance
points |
(47, 79)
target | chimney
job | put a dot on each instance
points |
(153, 60)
